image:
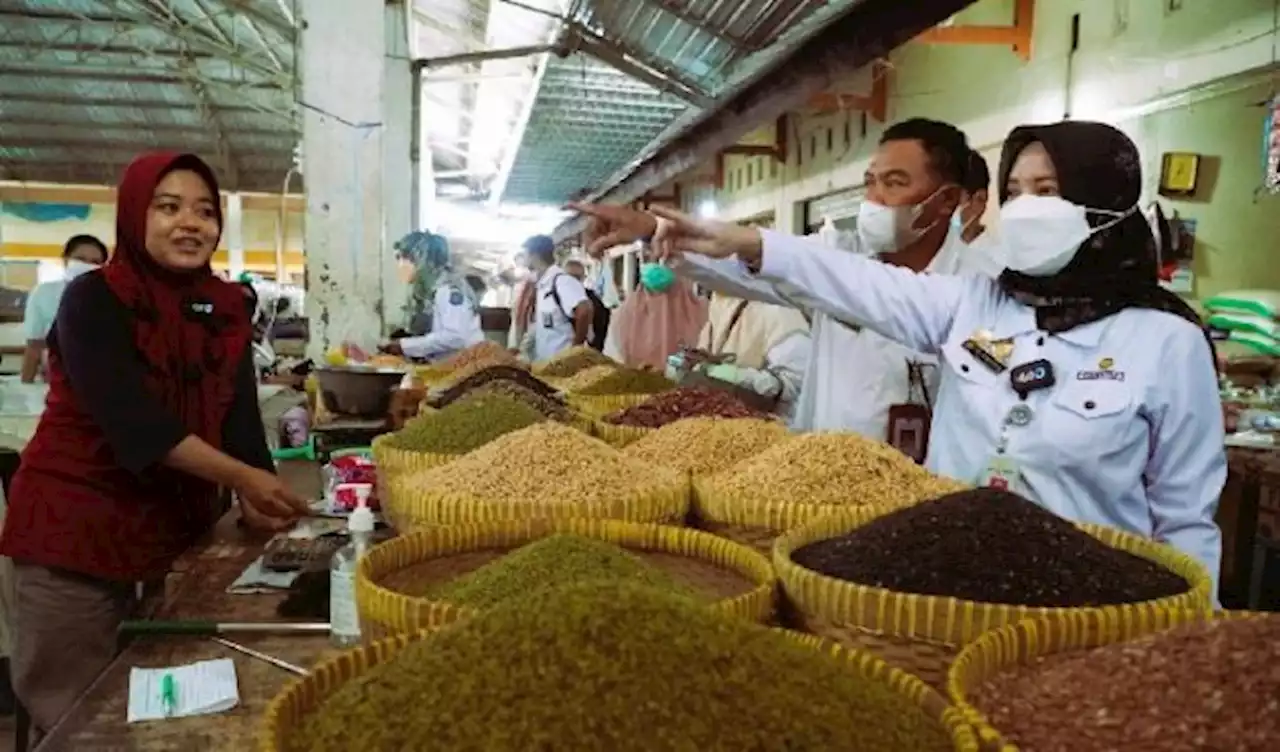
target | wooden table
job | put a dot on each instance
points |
(197, 590)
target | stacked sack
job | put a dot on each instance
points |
(1249, 318)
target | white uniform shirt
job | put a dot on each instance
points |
(853, 375)
(552, 320)
(42, 309)
(455, 325)
(1129, 436)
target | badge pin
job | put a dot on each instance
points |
(1020, 415)
(1002, 349)
(1105, 364)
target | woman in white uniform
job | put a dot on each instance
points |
(448, 297)
(1075, 378)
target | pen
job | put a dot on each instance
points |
(168, 694)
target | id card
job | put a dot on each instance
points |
(548, 321)
(1001, 473)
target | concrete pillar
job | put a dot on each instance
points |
(398, 141)
(233, 235)
(343, 56)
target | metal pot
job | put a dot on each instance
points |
(358, 391)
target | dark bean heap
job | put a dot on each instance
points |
(466, 384)
(571, 361)
(688, 402)
(552, 407)
(551, 562)
(618, 667)
(1205, 687)
(990, 546)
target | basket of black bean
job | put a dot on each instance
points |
(442, 574)
(916, 584)
(1158, 679)
(612, 666)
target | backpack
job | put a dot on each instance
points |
(600, 314)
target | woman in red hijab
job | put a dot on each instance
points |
(152, 407)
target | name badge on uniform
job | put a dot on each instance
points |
(1032, 377)
(1001, 473)
(548, 321)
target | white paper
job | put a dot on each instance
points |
(258, 579)
(200, 688)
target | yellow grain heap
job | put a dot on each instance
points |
(703, 446)
(548, 463)
(487, 352)
(838, 469)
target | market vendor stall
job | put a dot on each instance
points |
(197, 591)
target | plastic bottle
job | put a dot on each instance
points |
(344, 619)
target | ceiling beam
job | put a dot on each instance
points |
(866, 31)
(90, 128)
(124, 73)
(702, 22)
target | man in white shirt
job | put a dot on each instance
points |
(914, 186)
(562, 311)
(82, 253)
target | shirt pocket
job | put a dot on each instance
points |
(971, 371)
(1090, 419)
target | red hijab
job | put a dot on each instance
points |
(193, 357)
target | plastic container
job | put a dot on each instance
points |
(344, 617)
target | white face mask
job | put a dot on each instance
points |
(1039, 235)
(76, 267)
(888, 229)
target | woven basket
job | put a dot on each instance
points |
(408, 507)
(1079, 629)
(600, 405)
(432, 375)
(289, 709)
(923, 634)
(393, 462)
(756, 523)
(618, 436)
(741, 580)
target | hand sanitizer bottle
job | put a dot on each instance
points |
(344, 619)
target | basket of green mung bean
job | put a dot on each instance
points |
(609, 666)
(442, 574)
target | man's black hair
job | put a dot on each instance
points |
(78, 240)
(541, 247)
(978, 176)
(946, 145)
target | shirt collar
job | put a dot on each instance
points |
(550, 274)
(1017, 319)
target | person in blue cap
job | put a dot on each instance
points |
(443, 308)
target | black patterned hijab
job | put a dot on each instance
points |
(1118, 267)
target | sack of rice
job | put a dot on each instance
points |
(804, 476)
(441, 436)
(880, 578)
(545, 470)
(609, 666)
(442, 574)
(1174, 681)
(567, 363)
(704, 446)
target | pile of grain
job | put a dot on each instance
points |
(487, 353)
(990, 546)
(601, 381)
(467, 424)
(546, 463)
(703, 446)
(553, 562)
(838, 469)
(1212, 686)
(687, 402)
(569, 362)
(527, 385)
(614, 667)
(551, 407)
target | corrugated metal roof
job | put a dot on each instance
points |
(586, 124)
(87, 84)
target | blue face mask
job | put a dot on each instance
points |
(656, 277)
